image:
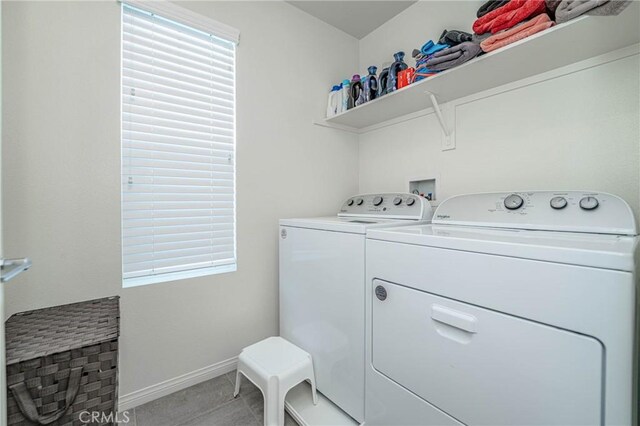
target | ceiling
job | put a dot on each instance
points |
(357, 18)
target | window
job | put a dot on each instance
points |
(178, 144)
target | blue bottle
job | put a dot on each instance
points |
(371, 84)
(394, 69)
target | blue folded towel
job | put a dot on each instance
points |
(429, 48)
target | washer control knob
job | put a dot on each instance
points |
(359, 201)
(377, 201)
(397, 201)
(558, 203)
(589, 203)
(411, 201)
(513, 202)
(350, 202)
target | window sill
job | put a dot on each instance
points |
(176, 276)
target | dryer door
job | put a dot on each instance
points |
(481, 366)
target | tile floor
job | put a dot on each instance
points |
(210, 403)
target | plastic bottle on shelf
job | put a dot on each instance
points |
(338, 98)
(330, 99)
(371, 84)
(383, 79)
(394, 70)
(339, 103)
(346, 95)
(333, 101)
(356, 91)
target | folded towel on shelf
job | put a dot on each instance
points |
(530, 27)
(453, 56)
(429, 48)
(567, 10)
(508, 15)
(489, 6)
(420, 57)
(571, 9)
(423, 73)
(610, 8)
(454, 37)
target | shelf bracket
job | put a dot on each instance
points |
(324, 123)
(448, 140)
(436, 109)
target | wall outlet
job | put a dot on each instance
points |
(449, 115)
(448, 142)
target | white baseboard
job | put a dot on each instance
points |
(142, 396)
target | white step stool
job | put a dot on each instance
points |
(274, 365)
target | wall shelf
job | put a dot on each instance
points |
(574, 41)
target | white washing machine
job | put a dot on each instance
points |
(322, 289)
(510, 309)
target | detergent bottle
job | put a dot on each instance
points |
(346, 95)
(383, 78)
(333, 101)
(394, 70)
(356, 91)
(371, 84)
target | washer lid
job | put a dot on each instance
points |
(571, 211)
(594, 250)
(353, 225)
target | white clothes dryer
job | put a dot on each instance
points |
(509, 309)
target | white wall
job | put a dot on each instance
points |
(411, 28)
(577, 131)
(61, 173)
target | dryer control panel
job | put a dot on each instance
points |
(393, 205)
(570, 211)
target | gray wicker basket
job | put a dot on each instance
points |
(61, 362)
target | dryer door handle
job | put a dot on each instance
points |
(457, 319)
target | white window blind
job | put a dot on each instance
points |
(178, 144)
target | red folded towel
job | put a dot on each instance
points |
(535, 25)
(508, 15)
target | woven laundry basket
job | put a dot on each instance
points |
(62, 362)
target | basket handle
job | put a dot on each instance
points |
(28, 407)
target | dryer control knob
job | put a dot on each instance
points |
(350, 202)
(397, 201)
(377, 201)
(558, 203)
(513, 202)
(359, 201)
(411, 201)
(589, 203)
